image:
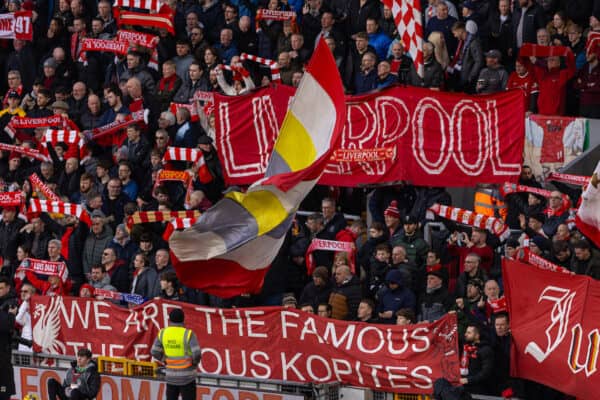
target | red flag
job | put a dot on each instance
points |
(408, 18)
(554, 326)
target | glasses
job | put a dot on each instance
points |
(160, 137)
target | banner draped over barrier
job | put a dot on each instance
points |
(406, 133)
(263, 343)
(554, 325)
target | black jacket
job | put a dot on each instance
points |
(432, 306)
(315, 295)
(481, 370)
(532, 21)
(9, 236)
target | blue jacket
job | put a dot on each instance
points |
(394, 300)
(380, 42)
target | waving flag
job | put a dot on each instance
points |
(409, 21)
(588, 215)
(228, 250)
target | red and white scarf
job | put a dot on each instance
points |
(43, 267)
(37, 183)
(158, 21)
(328, 245)
(273, 66)
(192, 155)
(11, 199)
(577, 180)
(466, 217)
(59, 207)
(144, 217)
(530, 258)
(141, 39)
(108, 46)
(33, 153)
(152, 5)
(177, 223)
(173, 107)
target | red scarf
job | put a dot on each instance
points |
(168, 82)
(64, 250)
(469, 352)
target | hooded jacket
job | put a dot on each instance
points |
(394, 299)
(88, 380)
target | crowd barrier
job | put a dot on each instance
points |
(124, 379)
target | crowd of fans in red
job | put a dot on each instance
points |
(394, 276)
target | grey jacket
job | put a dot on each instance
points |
(88, 380)
(93, 247)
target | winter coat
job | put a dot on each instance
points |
(7, 323)
(394, 299)
(88, 380)
(93, 247)
(315, 295)
(187, 90)
(416, 247)
(143, 283)
(9, 234)
(344, 299)
(481, 369)
(464, 278)
(432, 306)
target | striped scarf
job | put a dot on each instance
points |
(466, 217)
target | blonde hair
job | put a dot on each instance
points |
(440, 50)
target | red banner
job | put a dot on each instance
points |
(262, 343)
(554, 325)
(412, 134)
(16, 25)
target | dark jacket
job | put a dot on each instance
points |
(345, 298)
(416, 247)
(119, 277)
(88, 380)
(433, 74)
(472, 61)
(394, 299)
(589, 267)
(187, 90)
(432, 306)
(7, 323)
(93, 247)
(315, 295)
(481, 368)
(532, 21)
(463, 280)
(143, 283)
(9, 235)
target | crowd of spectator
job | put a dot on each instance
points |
(394, 276)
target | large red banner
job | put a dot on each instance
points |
(554, 324)
(402, 133)
(263, 343)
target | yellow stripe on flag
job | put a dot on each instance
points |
(264, 206)
(295, 145)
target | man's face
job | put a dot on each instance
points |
(543, 38)
(491, 290)
(470, 264)
(196, 35)
(191, 20)
(182, 49)
(133, 134)
(111, 99)
(526, 173)
(53, 250)
(82, 361)
(132, 61)
(96, 274)
(296, 42)
(503, 7)
(364, 311)
(510, 252)
(26, 292)
(340, 276)
(13, 81)
(501, 325)
(326, 20)
(328, 209)
(553, 62)
(491, 62)
(97, 225)
(78, 25)
(409, 229)
(38, 225)
(195, 72)
(322, 311)
(471, 335)
(97, 27)
(283, 60)
(442, 11)
(4, 289)
(162, 258)
(582, 254)
(383, 70)
(431, 259)
(230, 14)
(107, 257)
(114, 188)
(361, 44)
(555, 200)
(433, 282)
(124, 172)
(382, 255)
(226, 37)
(14, 164)
(8, 214)
(477, 237)
(398, 255)
(563, 255)
(104, 9)
(371, 26)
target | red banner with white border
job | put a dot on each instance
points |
(402, 133)
(263, 343)
(554, 326)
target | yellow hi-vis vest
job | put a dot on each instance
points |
(175, 341)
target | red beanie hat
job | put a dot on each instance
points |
(13, 154)
(392, 210)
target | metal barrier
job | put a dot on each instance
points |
(110, 366)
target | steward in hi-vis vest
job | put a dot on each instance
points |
(178, 348)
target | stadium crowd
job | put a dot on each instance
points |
(394, 276)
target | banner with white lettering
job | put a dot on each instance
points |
(262, 343)
(16, 25)
(554, 326)
(401, 133)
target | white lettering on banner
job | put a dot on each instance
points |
(383, 123)
(35, 381)
(266, 129)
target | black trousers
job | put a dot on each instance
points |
(188, 392)
(55, 390)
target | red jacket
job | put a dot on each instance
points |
(553, 87)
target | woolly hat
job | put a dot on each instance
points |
(437, 270)
(288, 298)
(13, 155)
(392, 210)
(176, 316)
